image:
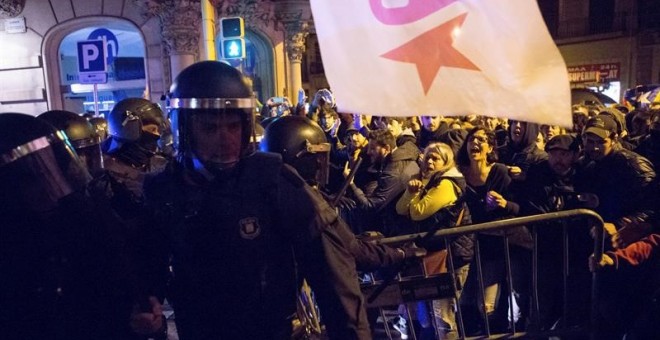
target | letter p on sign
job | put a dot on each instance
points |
(91, 56)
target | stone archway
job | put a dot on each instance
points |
(51, 59)
(266, 62)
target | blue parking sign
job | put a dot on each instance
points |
(111, 42)
(91, 56)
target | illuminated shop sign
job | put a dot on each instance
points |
(594, 73)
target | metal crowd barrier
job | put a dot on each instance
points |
(405, 290)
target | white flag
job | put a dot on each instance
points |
(443, 57)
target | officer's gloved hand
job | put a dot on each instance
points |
(345, 203)
(412, 252)
(370, 236)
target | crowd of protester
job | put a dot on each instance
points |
(415, 169)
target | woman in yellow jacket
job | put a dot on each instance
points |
(431, 201)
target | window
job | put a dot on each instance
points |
(125, 64)
(550, 11)
(648, 14)
(601, 16)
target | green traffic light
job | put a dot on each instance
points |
(233, 48)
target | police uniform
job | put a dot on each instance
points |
(241, 245)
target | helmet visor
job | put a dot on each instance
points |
(315, 158)
(217, 139)
(92, 157)
(41, 172)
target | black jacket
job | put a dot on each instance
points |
(427, 137)
(542, 192)
(393, 175)
(498, 180)
(649, 147)
(62, 276)
(241, 244)
(523, 154)
(622, 182)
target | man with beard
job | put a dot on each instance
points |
(355, 150)
(432, 128)
(520, 151)
(621, 178)
(394, 168)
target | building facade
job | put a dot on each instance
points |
(608, 45)
(147, 43)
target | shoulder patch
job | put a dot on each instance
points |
(249, 228)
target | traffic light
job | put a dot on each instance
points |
(233, 43)
(233, 48)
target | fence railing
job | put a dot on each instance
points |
(402, 290)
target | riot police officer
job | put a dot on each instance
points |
(136, 129)
(61, 268)
(105, 189)
(244, 229)
(304, 146)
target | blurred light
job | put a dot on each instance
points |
(456, 32)
(233, 48)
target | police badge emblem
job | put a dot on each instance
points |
(250, 228)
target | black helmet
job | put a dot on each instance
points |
(130, 115)
(38, 165)
(135, 126)
(302, 144)
(81, 134)
(203, 95)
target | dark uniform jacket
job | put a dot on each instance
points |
(241, 245)
(62, 276)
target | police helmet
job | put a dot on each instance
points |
(302, 144)
(82, 135)
(206, 93)
(38, 165)
(135, 126)
(130, 115)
